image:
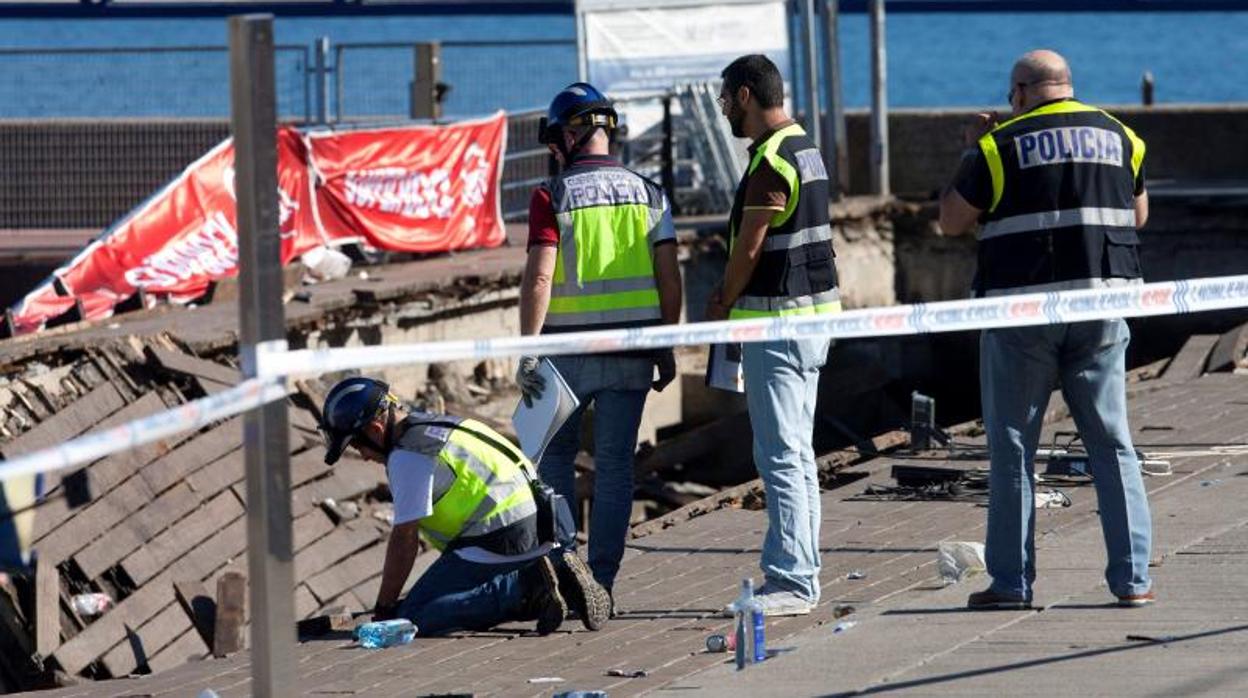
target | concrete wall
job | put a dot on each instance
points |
(1185, 142)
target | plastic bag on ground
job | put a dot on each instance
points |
(324, 264)
(958, 560)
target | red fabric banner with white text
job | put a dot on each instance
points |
(413, 189)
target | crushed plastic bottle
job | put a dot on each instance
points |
(88, 605)
(385, 633)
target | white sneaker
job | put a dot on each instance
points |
(776, 603)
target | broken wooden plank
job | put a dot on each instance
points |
(103, 475)
(144, 642)
(80, 416)
(199, 606)
(47, 607)
(102, 635)
(305, 603)
(341, 543)
(227, 637)
(1189, 363)
(341, 577)
(148, 561)
(137, 529)
(194, 454)
(189, 647)
(96, 519)
(1229, 350)
(186, 364)
(310, 527)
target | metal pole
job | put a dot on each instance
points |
(835, 145)
(265, 430)
(321, 49)
(879, 102)
(669, 154)
(339, 80)
(811, 68)
(582, 46)
(427, 73)
(1147, 85)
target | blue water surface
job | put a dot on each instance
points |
(934, 60)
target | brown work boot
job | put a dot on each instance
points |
(585, 595)
(1137, 600)
(542, 598)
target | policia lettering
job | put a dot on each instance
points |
(481, 497)
(796, 273)
(608, 218)
(1062, 214)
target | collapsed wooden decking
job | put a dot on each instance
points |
(676, 578)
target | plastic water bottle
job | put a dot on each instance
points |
(385, 633)
(750, 629)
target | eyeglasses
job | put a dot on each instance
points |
(1018, 87)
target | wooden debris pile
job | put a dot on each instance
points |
(155, 527)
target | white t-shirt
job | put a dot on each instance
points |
(411, 477)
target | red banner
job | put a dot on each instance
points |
(413, 189)
(419, 189)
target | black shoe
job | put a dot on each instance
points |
(543, 600)
(585, 596)
(989, 600)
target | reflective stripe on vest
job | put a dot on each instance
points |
(604, 273)
(488, 492)
(1048, 220)
(796, 274)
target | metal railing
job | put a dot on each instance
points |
(372, 79)
(155, 81)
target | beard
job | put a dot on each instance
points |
(736, 120)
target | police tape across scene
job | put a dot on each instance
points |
(274, 364)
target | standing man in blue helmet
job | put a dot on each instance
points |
(1059, 188)
(601, 255)
(780, 264)
(467, 490)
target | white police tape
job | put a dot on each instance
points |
(1164, 298)
(274, 364)
(247, 395)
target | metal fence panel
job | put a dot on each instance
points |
(179, 82)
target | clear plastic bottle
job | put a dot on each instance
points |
(385, 633)
(751, 643)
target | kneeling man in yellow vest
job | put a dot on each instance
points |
(472, 495)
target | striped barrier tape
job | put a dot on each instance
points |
(274, 364)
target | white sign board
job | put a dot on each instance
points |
(650, 49)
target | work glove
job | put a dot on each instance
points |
(531, 383)
(665, 360)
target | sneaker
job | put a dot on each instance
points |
(544, 601)
(585, 596)
(775, 602)
(1137, 600)
(989, 600)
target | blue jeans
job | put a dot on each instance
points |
(454, 594)
(617, 387)
(781, 386)
(1019, 367)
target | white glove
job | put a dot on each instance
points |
(530, 381)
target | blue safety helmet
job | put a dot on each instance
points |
(579, 104)
(349, 406)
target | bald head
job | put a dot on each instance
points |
(1040, 76)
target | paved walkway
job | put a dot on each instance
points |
(911, 632)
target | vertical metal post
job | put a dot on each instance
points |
(261, 318)
(811, 68)
(339, 83)
(669, 154)
(321, 48)
(835, 145)
(426, 74)
(582, 57)
(1147, 84)
(879, 102)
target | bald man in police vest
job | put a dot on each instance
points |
(1059, 191)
